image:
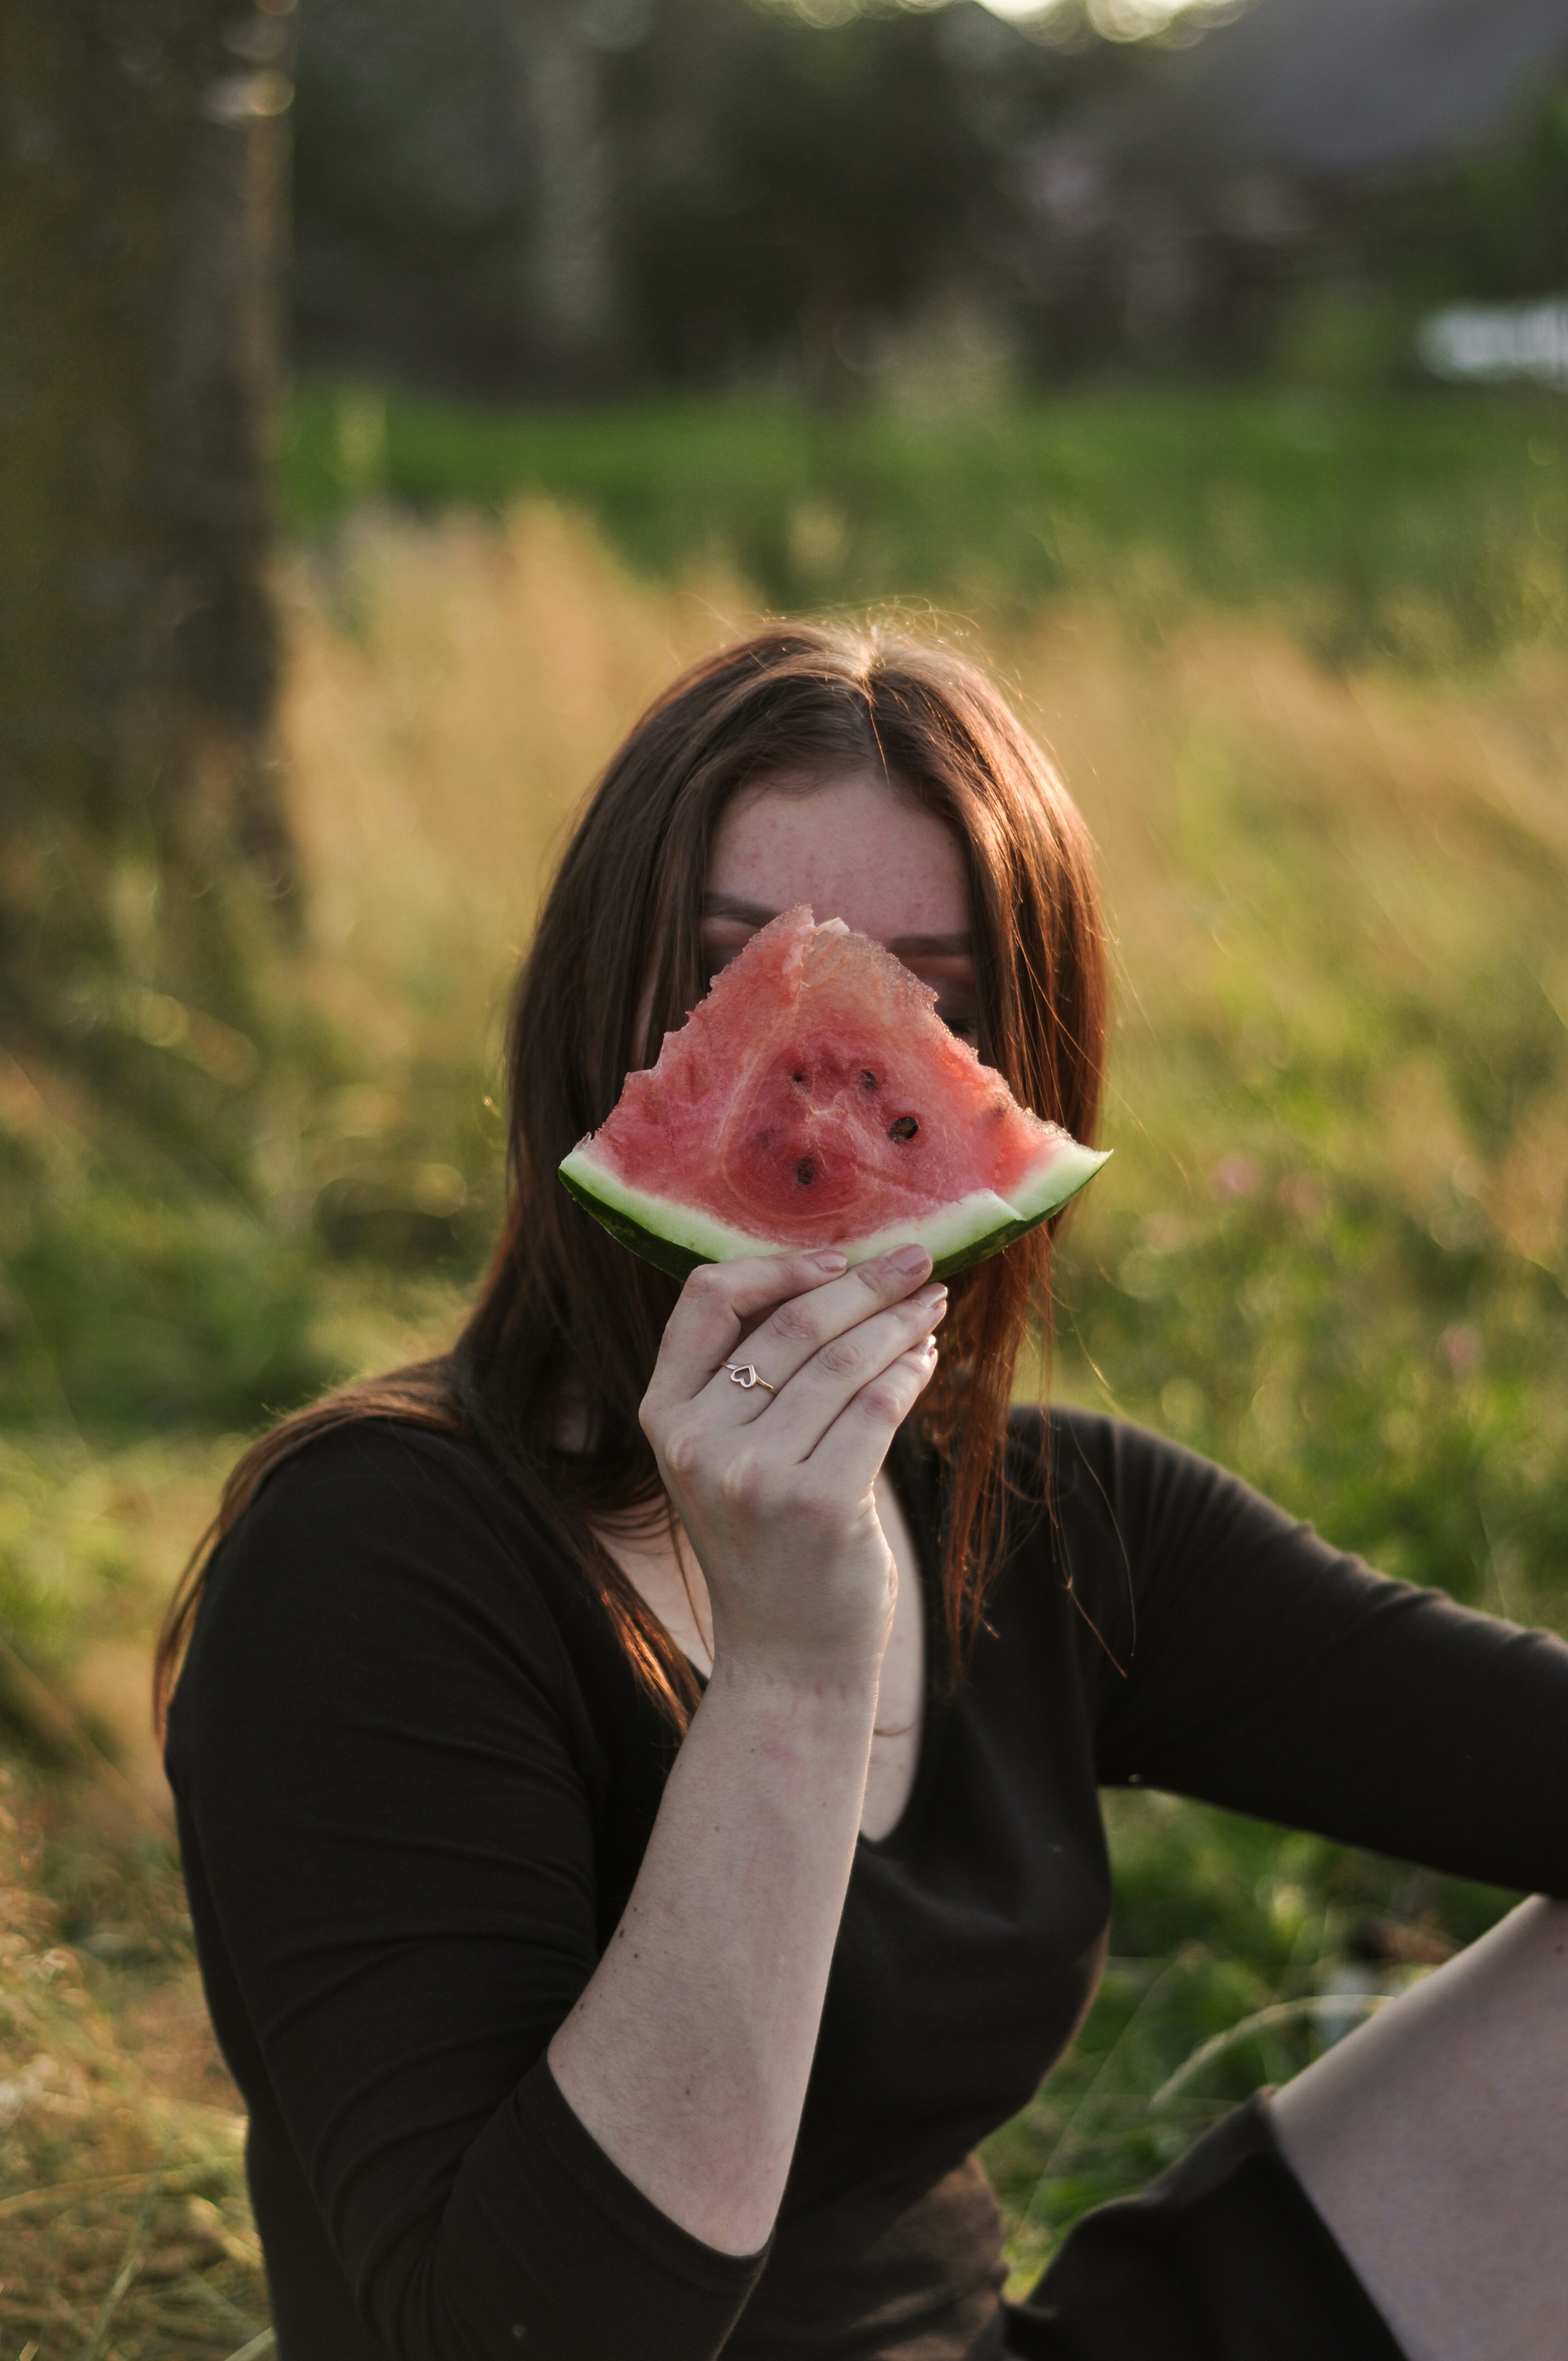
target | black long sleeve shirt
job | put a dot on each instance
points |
(415, 1779)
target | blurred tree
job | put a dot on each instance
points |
(698, 190)
(410, 178)
(790, 189)
(571, 283)
(1491, 224)
(143, 144)
(542, 197)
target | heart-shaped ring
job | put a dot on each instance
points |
(742, 1374)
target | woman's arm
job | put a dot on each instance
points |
(396, 1795)
(1267, 1671)
(688, 2055)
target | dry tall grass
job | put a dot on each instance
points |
(125, 2228)
(452, 688)
(1289, 855)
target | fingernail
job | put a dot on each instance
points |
(831, 1260)
(909, 1261)
(932, 1299)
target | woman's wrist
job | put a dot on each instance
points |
(797, 1683)
(814, 1713)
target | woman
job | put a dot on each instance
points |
(642, 1832)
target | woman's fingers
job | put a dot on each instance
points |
(816, 1298)
(716, 1303)
(792, 1551)
(809, 1325)
(850, 1454)
(795, 1335)
(806, 1407)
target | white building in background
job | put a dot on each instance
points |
(1490, 342)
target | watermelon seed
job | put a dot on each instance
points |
(798, 1078)
(868, 1080)
(806, 1173)
(904, 1128)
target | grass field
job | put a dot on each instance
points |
(1332, 1251)
(1425, 528)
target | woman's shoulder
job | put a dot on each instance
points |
(373, 1453)
(1128, 1491)
(376, 1484)
(1065, 1446)
(381, 1533)
(379, 1626)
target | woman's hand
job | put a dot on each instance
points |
(775, 1490)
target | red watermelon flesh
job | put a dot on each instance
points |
(815, 1098)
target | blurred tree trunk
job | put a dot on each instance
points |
(144, 149)
(572, 295)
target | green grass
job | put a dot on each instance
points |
(1430, 527)
(125, 1313)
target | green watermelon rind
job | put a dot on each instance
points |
(678, 1237)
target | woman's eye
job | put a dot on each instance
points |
(954, 1004)
(958, 1014)
(721, 942)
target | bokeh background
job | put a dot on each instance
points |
(390, 397)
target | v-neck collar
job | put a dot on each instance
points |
(910, 1482)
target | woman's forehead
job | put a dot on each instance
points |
(852, 847)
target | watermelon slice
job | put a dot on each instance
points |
(813, 1099)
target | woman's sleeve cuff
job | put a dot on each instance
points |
(566, 2259)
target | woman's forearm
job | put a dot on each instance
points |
(688, 2053)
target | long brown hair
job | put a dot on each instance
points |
(566, 1319)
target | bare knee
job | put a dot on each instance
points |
(1459, 2038)
(1434, 2138)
